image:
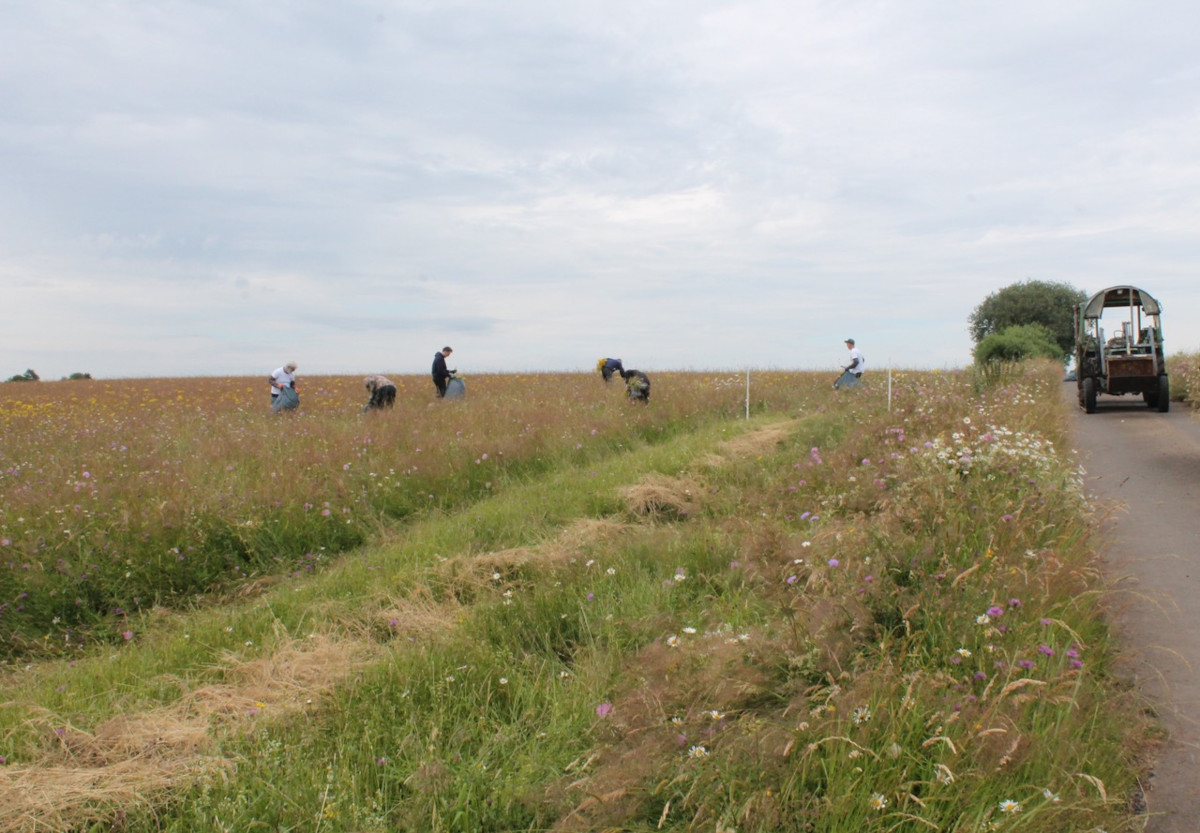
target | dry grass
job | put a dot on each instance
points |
(752, 444)
(659, 497)
(420, 614)
(132, 760)
(42, 798)
(571, 543)
(759, 441)
(586, 532)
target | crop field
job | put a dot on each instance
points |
(544, 608)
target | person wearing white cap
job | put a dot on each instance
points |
(852, 372)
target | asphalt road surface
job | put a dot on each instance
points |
(1147, 465)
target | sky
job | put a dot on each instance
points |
(214, 188)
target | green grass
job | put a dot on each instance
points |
(847, 625)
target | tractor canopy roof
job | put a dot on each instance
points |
(1120, 296)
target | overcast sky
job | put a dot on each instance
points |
(212, 188)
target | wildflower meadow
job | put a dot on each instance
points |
(547, 608)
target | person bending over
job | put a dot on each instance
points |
(383, 393)
(608, 367)
(637, 385)
(283, 388)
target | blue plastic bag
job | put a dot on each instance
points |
(288, 400)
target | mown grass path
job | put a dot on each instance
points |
(97, 749)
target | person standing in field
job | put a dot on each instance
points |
(853, 371)
(637, 385)
(283, 388)
(608, 367)
(383, 393)
(441, 376)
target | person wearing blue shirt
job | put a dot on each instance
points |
(608, 367)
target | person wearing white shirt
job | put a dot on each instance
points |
(852, 372)
(282, 378)
(857, 363)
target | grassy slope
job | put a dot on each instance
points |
(667, 639)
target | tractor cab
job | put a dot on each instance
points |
(1119, 348)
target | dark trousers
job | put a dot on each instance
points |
(440, 383)
(384, 397)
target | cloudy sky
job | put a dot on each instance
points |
(211, 188)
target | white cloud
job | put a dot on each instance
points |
(211, 188)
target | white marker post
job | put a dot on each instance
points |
(747, 393)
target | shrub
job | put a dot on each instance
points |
(1184, 370)
(1014, 344)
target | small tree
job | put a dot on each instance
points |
(1014, 344)
(27, 376)
(1051, 305)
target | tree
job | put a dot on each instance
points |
(1014, 344)
(1030, 302)
(28, 376)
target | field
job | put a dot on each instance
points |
(545, 608)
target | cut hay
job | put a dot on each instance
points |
(519, 557)
(42, 798)
(420, 615)
(132, 760)
(289, 678)
(660, 497)
(759, 441)
(585, 532)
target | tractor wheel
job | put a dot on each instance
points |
(1164, 394)
(1089, 395)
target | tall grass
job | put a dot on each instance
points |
(122, 495)
(844, 619)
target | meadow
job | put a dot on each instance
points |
(545, 609)
(123, 495)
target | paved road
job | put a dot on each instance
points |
(1148, 464)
